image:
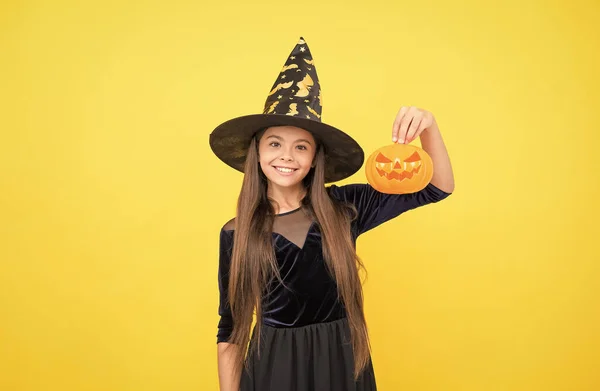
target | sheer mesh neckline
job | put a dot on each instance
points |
(288, 212)
(293, 225)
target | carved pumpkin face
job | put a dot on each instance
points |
(399, 169)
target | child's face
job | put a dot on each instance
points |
(286, 154)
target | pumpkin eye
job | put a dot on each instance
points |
(413, 158)
(381, 158)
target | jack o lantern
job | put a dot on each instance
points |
(399, 169)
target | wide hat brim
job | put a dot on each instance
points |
(230, 142)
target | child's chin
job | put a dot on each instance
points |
(286, 182)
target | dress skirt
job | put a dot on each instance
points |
(317, 357)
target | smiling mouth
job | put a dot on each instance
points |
(285, 169)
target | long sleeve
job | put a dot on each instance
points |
(375, 208)
(225, 326)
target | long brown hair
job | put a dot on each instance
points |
(253, 261)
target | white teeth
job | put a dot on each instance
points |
(282, 169)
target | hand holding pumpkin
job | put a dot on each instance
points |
(410, 123)
(401, 168)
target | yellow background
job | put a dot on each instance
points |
(111, 201)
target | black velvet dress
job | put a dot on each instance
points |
(305, 335)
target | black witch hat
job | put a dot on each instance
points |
(294, 100)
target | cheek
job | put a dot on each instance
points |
(305, 160)
(264, 165)
(265, 156)
(263, 161)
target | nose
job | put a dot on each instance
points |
(287, 153)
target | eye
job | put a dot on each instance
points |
(274, 144)
(302, 147)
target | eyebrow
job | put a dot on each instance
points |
(281, 139)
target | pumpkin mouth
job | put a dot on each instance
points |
(398, 175)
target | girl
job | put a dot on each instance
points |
(289, 255)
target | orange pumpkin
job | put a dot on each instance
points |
(399, 169)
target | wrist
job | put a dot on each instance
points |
(431, 131)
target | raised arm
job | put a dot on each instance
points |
(412, 122)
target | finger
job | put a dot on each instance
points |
(418, 132)
(414, 127)
(404, 124)
(397, 121)
(425, 123)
